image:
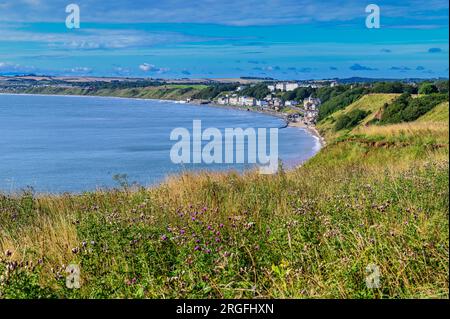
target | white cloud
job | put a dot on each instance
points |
(146, 67)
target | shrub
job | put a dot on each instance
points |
(350, 120)
(428, 88)
(407, 109)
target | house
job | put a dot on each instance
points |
(233, 100)
(271, 88)
(262, 103)
(291, 86)
(277, 103)
(311, 103)
(248, 101)
(291, 103)
(223, 100)
(280, 86)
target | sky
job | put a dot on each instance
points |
(282, 39)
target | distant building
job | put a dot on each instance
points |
(224, 100)
(233, 100)
(291, 86)
(277, 103)
(291, 103)
(248, 101)
(280, 86)
(262, 103)
(271, 88)
(311, 103)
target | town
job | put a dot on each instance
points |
(305, 111)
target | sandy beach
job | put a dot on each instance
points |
(311, 129)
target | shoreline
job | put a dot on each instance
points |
(311, 129)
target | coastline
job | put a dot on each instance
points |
(310, 129)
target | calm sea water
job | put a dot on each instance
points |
(67, 143)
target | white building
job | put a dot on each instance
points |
(248, 101)
(280, 86)
(291, 103)
(234, 100)
(291, 86)
(271, 88)
(311, 103)
(223, 100)
(262, 103)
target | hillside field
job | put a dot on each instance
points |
(375, 196)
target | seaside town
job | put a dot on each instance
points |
(305, 111)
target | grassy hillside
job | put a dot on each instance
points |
(376, 195)
(165, 92)
(371, 103)
(438, 114)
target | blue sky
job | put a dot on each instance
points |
(284, 39)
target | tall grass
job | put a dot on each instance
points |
(306, 233)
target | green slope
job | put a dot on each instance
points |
(437, 114)
(371, 103)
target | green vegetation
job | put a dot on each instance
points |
(377, 194)
(340, 101)
(212, 91)
(428, 88)
(407, 109)
(258, 91)
(165, 92)
(393, 87)
(439, 113)
(350, 120)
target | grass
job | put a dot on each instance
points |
(165, 92)
(375, 195)
(371, 103)
(437, 114)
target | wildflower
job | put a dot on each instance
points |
(182, 231)
(197, 248)
(221, 225)
(92, 242)
(207, 251)
(163, 237)
(209, 227)
(193, 218)
(217, 240)
(83, 244)
(8, 253)
(75, 250)
(218, 233)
